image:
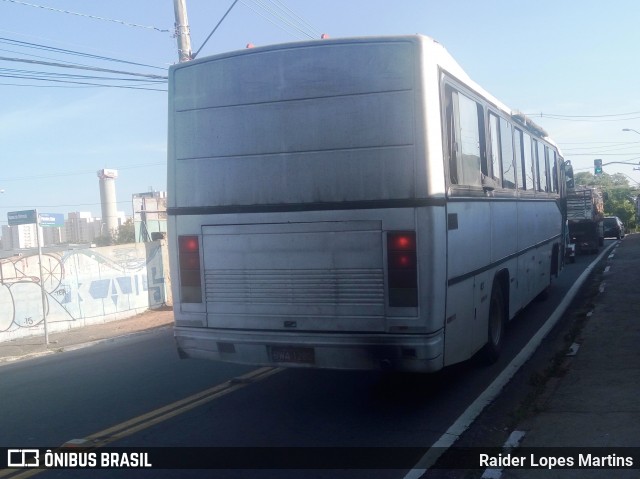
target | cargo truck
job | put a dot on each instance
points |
(585, 214)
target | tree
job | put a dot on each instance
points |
(604, 180)
(123, 235)
(126, 233)
(619, 197)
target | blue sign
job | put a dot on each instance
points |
(54, 220)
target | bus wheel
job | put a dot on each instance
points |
(497, 322)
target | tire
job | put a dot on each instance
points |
(496, 325)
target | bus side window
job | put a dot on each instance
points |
(470, 147)
(451, 143)
(541, 170)
(493, 165)
(465, 137)
(528, 162)
(554, 171)
(517, 146)
(547, 170)
(506, 146)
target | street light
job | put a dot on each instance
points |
(631, 129)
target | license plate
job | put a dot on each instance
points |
(292, 355)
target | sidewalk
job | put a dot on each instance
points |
(34, 346)
(597, 402)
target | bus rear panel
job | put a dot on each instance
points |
(300, 213)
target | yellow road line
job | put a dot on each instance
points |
(144, 421)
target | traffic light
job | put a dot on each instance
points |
(597, 167)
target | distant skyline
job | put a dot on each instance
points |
(571, 66)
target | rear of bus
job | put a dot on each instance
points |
(302, 221)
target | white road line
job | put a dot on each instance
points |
(573, 349)
(465, 420)
(512, 442)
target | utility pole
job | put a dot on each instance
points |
(42, 290)
(182, 30)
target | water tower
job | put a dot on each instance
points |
(108, 201)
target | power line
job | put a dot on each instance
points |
(64, 51)
(283, 16)
(607, 147)
(317, 33)
(594, 142)
(588, 118)
(30, 74)
(72, 84)
(60, 80)
(94, 17)
(75, 173)
(56, 41)
(215, 28)
(284, 25)
(583, 116)
(602, 153)
(77, 81)
(67, 65)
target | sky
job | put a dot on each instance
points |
(571, 65)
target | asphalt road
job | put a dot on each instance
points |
(81, 394)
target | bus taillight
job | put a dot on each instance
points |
(402, 268)
(189, 257)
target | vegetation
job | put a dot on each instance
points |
(124, 235)
(620, 197)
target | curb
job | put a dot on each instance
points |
(76, 347)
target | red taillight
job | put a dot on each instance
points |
(189, 244)
(402, 241)
(189, 259)
(402, 269)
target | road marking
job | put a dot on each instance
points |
(513, 441)
(149, 419)
(144, 421)
(466, 419)
(573, 349)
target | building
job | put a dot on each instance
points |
(149, 215)
(53, 236)
(81, 227)
(19, 237)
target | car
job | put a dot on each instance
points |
(613, 227)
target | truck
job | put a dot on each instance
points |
(585, 214)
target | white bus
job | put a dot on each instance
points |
(353, 203)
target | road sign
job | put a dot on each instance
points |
(30, 217)
(26, 217)
(54, 220)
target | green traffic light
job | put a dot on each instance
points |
(597, 167)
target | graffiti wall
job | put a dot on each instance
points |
(81, 287)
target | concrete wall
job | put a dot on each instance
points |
(82, 287)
